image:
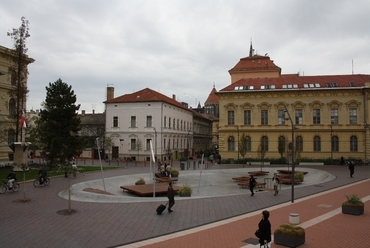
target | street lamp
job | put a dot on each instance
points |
(331, 142)
(293, 167)
(155, 144)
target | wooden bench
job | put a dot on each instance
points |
(246, 185)
(289, 172)
(258, 173)
(289, 181)
(310, 163)
(241, 179)
(166, 180)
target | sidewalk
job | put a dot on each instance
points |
(320, 215)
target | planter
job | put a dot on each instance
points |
(288, 240)
(186, 194)
(354, 210)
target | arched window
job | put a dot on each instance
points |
(299, 144)
(281, 144)
(264, 144)
(353, 144)
(317, 144)
(335, 144)
(248, 143)
(12, 107)
(11, 136)
(230, 144)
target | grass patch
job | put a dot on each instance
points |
(31, 174)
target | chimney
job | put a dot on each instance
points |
(110, 93)
(83, 112)
(173, 96)
(93, 111)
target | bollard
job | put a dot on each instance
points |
(294, 219)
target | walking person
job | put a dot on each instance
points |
(252, 184)
(264, 230)
(171, 197)
(351, 168)
(276, 181)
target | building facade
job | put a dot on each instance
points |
(133, 121)
(8, 103)
(326, 116)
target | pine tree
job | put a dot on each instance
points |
(59, 124)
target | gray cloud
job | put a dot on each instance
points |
(181, 47)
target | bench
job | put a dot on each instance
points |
(258, 173)
(289, 181)
(241, 179)
(166, 180)
(246, 185)
(258, 163)
(311, 163)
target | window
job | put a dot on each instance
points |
(264, 145)
(164, 144)
(316, 116)
(178, 124)
(13, 79)
(173, 124)
(230, 143)
(299, 144)
(181, 126)
(298, 116)
(115, 121)
(335, 144)
(165, 122)
(247, 117)
(316, 144)
(248, 144)
(133, 121)
(11, 136)
(281, 117)
(281, 144)
(173, 143)
(12, 107)
(133, 144)
(352, 116)
(264, 117)
(230, 117)
(147, 148)
(334, 116)
(169, 123)
(149, 121)
(353, 144)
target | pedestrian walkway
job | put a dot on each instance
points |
(225, 221)
(320, 215)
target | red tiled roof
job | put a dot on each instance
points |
(256, 62)
(146, 95)
(340, 80)
(212, 98)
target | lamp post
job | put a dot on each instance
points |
(155, 143)
(331, 142)
(293, 167)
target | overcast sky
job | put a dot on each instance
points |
(181, 47)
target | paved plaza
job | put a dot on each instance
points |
(219, 213)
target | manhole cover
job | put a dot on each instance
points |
(252, 241)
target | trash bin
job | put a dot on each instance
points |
(294, 218)
(182, 166)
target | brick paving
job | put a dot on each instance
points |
(37, 224)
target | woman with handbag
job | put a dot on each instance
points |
(264, 230)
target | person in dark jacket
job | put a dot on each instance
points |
(171, 197)
(264, 228)
(351, 168)
(276, 181)
(11, 178)
(252, 184)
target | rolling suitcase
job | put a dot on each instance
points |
(161, 208)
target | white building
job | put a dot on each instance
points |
(133, 120)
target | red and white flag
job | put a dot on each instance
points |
(22, 122)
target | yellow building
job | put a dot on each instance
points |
(8, 104)
(327, 115)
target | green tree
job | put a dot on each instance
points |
(281, 146)
(138, 147)
(108, 143)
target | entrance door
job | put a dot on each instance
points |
(114, 152)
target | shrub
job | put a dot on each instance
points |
(290, 230)
(141, 181)
(299, 175)
(174, 172)
(186, 189)
(353, 200)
